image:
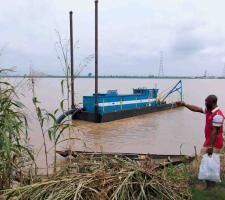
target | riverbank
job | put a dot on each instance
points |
(107, 177)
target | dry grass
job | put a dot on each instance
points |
(108, 178)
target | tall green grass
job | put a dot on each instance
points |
(15, 152)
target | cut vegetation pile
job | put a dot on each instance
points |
(108, 178)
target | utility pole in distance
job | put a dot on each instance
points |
(161, 70)
(223, 75)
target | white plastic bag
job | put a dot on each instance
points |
(210, 168)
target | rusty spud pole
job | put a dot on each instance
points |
(71, 60)
(96, 58)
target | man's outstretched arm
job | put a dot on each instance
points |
(190, 107)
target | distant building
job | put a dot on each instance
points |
(36, 73)
(89, 74)
(205, 74)
(223, 75)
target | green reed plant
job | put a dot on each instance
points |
(55, 132)
(48, 125)
(15, 151)
(41, 118)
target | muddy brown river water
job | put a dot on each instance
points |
(167, 132)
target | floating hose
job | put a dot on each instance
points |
(67, 113)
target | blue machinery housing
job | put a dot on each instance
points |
(112, 106)
(112, 101)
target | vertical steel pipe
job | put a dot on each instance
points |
(71, 60)
(96, 57)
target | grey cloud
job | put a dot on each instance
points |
(132, 33)
(187, 45)
(186, 41)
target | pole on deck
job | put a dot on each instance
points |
(181, 90)
(96, 58)
(71, 60)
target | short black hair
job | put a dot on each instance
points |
(212, 98)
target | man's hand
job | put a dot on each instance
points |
(210, 151)
(190, 107)
(180, 103)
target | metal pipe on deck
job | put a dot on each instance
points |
(71, 60)
(96, 58)
(73, 109)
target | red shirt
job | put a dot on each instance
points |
(214, 118)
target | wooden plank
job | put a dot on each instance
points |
(134, 156)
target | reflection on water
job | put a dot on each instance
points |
(166, 132)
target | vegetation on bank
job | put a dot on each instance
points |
(109, 178)
(15, 152)
(215, 193)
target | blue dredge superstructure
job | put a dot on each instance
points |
(112, 106)
(112, 101)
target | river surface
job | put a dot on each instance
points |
(167, 132)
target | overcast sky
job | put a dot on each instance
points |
(191, 34)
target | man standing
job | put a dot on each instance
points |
(213, 125)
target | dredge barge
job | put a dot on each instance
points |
(113, 106)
